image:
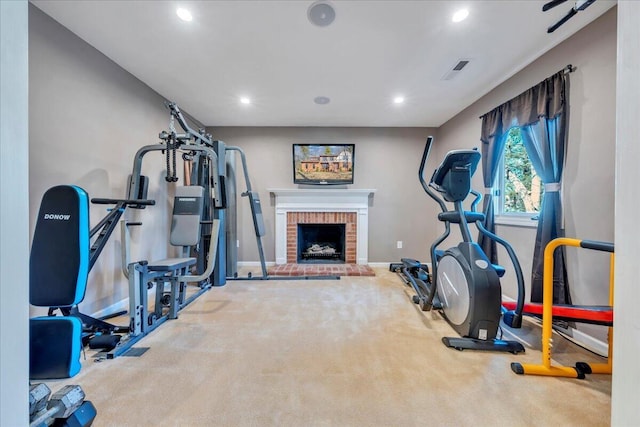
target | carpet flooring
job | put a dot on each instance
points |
(349, 352)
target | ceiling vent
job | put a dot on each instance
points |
(321, 13)
(455, 70)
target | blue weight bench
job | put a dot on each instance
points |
(58, 268)
(62, 256)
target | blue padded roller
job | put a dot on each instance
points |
(59, 263)
(55, 347)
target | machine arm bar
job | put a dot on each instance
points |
(213, 247)
(137, 163)
(515, 320)
(177, 114)
(598, 246)
(126, 202)
(105, 227)
(244, 166)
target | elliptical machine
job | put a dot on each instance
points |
(464, 284)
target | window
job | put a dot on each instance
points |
(519, 188)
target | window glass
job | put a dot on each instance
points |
(520, 188)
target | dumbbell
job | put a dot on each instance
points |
(61, 405)
(38, 395)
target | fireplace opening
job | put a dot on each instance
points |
(321, 243)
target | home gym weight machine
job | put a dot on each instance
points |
(464, 285)
(195, 228)
(218, 178)
(198, 171)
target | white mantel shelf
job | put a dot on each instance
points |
(284, 191)
(324, 196)
(322, 200)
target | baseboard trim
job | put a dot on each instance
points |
(254, 263)
(378, 264)
(122, 305)
(591, 343)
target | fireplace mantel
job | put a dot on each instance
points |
(322, 200)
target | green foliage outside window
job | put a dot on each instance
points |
(522, 186)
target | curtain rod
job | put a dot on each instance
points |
(568, 69)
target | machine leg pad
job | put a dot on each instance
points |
(517, 368)
(106, 342)
(583, 367)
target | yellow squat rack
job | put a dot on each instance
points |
(602, 315)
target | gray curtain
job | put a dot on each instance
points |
(491, 155)
(545, 144)
(542, 112)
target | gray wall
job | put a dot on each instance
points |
(386, 159)
(588, 186)
(14, 225)
(88, 117)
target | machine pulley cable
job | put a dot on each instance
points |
(172, 146)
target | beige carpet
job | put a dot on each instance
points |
(352, 352)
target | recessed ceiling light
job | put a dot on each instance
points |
(184, 14)
(245, 100)
(321, 13)
(321, 100)
(398, 100)
(460, 15)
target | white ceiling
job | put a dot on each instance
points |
(270, 52)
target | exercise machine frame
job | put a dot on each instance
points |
(225, 266)
(452, 179)
(601, 315)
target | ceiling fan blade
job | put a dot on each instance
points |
(568, 16)
(552, 4)
(583, 4)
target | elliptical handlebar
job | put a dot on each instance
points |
(425, 185)
(478, 199)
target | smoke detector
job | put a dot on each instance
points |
(321, 13)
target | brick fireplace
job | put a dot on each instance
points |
(349, 219)
(322, 206)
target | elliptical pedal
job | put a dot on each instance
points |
(466, 343)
